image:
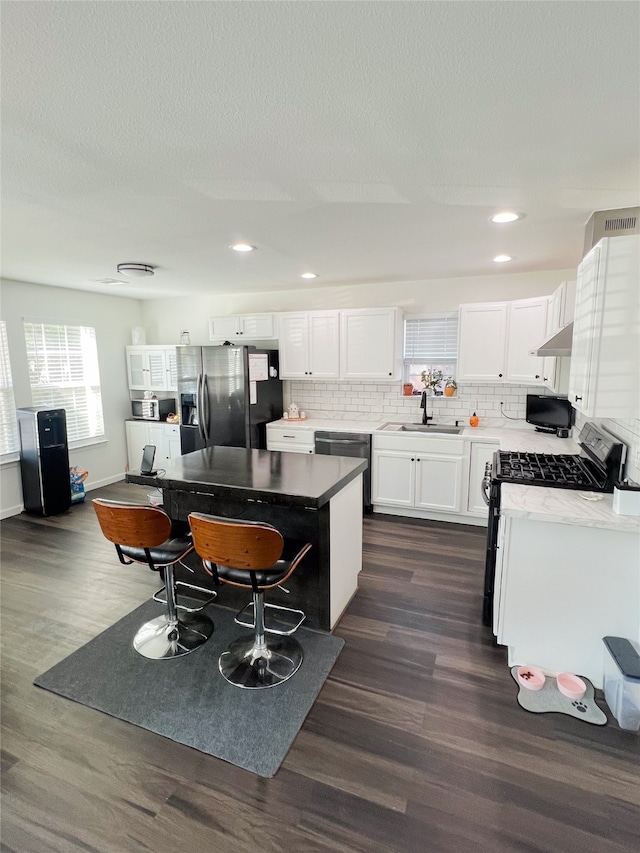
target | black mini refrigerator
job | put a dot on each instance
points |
(44, 460)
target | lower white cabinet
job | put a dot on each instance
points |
(481, 453)
(290, 440)
(165, 437)
(421, 473)
(560, 588)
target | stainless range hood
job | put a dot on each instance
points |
(558, 344)
(602, 223)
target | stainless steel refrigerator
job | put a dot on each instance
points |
(228, 395)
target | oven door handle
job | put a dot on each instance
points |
(485, 485)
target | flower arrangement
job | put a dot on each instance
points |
(432, 379)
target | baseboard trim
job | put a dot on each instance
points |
(8, 511)
(106, 481)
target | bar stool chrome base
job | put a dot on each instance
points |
(162, 638)
(254, 667)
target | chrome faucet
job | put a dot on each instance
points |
(423, 405)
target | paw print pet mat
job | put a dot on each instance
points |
(550, 699)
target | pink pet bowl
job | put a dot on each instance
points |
(531, 677)
(571, 686)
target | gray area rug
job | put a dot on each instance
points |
(549, 699)
(187, 699)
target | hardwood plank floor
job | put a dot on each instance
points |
(416, 742)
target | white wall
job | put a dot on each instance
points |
(112, 317)
(163, 319)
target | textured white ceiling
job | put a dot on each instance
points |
(366, 141)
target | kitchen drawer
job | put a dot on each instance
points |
(290, 448)
(304, 438)
(450, 445)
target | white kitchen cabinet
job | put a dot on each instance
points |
(371, 344)
(165, 437)
(243, 326)
(421, 473)
(152, 368)
(555, 369)
(495, 338)
(481, 453)
(560, 588)
(604, 378)
(526, 327)
(310, 345)
(481, 342)
(292, 440)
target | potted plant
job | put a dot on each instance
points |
(432, 379)
(450, 386)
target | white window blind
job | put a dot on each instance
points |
(8, 423)
(431, 338)
(63, 371)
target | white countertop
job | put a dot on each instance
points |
(506, 437)
(565, 506)
(335, 424)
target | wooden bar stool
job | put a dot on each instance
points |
(142, 534)
(249, 554)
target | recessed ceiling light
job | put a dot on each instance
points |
(308, 275)
(505, 216)
(135, 270)
(242, 247)
(500, 259)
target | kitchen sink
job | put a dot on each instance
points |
(439, 428)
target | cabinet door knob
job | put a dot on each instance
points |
(500, 375)
(537, 376)
(546, 378)
(578, 398)
(412, 459)
(390, 374)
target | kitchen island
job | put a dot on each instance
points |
(308, 498)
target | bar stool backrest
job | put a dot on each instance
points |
(132, 525)
(240, 545)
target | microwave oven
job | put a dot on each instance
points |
(152, 410)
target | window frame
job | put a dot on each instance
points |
(66, 354)
(8, 417)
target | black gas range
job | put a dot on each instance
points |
(595, 469)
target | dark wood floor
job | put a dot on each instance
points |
(416, 742)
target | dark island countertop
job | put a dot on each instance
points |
(287, 479)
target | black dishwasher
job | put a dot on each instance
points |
(356, 444)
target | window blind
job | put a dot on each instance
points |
(431, 338)
(8, 423)
(64, 373)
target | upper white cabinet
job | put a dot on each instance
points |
(604, 379)
(526, 328)
(371, 344)
(555, 369)
(353, 344)
(495, 339)
(310, 345)
(481, 342)
(152, 368)
(243, 326)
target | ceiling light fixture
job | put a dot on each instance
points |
(505, 216)
(135, 270)
(308, 275)
(242, 247)
(501, 259)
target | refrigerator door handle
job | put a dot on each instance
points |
(205, 406)
(199, 407)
